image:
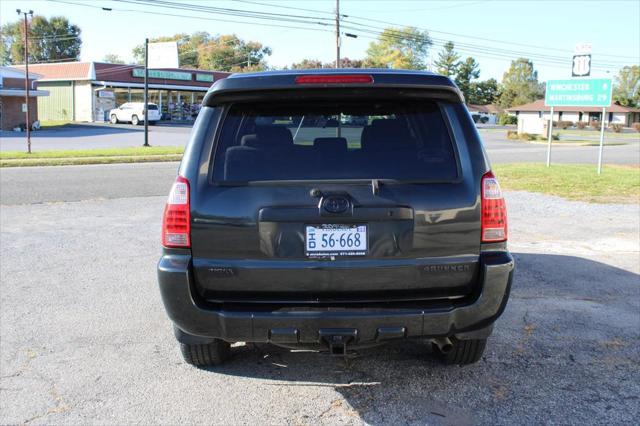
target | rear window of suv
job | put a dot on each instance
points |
(334, 140)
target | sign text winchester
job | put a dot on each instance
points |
(594, 92)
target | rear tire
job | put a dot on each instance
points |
(464, 352)
(207, 355)
(114, 119)
(135, 120)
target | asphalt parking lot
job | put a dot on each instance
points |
(502, 150)
(84, 337)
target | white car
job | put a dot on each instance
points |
(133, 112)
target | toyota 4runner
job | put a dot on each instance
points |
(292, 223)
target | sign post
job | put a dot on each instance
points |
(604, 110)
(550, 128)
(589, 92)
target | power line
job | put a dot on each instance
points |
(173, 15)
(474, 37)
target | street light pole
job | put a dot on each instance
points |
(146, 92)
(26, 75)
(337, 33)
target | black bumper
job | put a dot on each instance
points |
(194, 318)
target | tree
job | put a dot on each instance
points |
(520, 84)
(626, 88)
(112, 58)
(346, 63)
(201, 50)
(448, 60)
(483, 92)
(406, 48)
(50, 40)
(230, 53)
(467, 71)
(306, 64)
(187, 47)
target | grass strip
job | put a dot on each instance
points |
(88, 160)
(108, 152)
(620, 184)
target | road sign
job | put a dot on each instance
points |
(592, 92)
(582, 49)
(163, 55)
(581, 66)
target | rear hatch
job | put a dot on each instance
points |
(305, 204)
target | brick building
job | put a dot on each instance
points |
(12, 94)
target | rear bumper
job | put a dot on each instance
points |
(369, 325)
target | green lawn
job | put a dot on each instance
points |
(91, 156)
(573, 181)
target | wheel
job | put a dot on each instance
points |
(208, 355)
(114, 119)
(134, 120)
(463, 352)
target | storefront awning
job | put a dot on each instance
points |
(152, 86)
(22, 92)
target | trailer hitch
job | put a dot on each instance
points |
(337, 340)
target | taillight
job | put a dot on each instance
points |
(494, 210)
(334, 79)
(176, 222)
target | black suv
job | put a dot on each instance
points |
(322, 235)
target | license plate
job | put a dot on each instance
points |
(335, 240)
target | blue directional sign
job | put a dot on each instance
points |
(585, 92)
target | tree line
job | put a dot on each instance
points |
(56, 39)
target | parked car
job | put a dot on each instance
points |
(133, 112)
(334, 238)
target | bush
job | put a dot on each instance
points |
(506, 119)
(595, 124)
(616, 127)
(562, 124)
(636, 126)
(513, 135)
(581, 124)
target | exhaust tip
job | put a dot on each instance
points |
(444, 345)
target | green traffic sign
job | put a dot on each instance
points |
(593, 92)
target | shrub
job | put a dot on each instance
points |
(562, 124)
(616, 127)
(594, 124)
(506, 119)
(636, 126)
(512, 134)
(581, 124)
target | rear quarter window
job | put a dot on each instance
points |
(334, 140)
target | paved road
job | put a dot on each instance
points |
(500, 149)
(84, 337)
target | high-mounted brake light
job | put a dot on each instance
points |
(176, 222)
(334, 79)
(494, 210)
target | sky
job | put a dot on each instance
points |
(492, 31)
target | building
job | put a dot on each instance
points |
(12, 98)
(486, 114)
(86, 91)
(614, 113)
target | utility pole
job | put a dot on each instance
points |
(337, 33)
(248, 59)
(146, 92)
(26, 75)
